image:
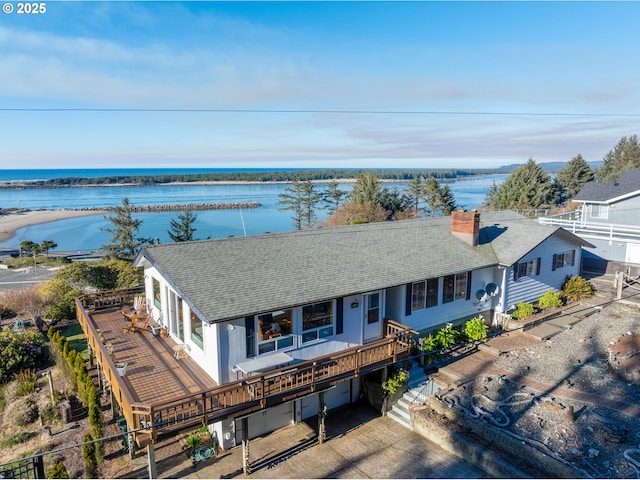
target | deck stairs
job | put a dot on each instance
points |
(420, 386)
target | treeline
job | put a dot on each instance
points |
(279, 176)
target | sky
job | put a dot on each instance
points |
(287, 84)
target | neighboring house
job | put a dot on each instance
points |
(609, 219)
(248, 305)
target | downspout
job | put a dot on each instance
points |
(500, 308)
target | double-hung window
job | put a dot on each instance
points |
(455, 287)
(527, 269)
(317, 321)
(564, 259)
(599, 211)
(424, 294)
(197, 330)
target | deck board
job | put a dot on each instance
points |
(153, 373)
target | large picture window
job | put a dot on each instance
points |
(432, 292)
(599, 211)
(418, 296)
(274, 330)
(317, 321)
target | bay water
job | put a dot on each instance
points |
(85, 233)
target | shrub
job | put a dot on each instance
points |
(447, 337)
(577, 288)
(475, 329)
(550, 299)
(58, 470)
(16, 439)
(523, 311)
(49, 414)
(89, 457)
(397, 381)
(20, 351)
(27, 414)
(27, 381)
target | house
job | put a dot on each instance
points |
(609, 218)
(246, 307)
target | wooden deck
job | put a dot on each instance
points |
(161, 394)
(153, 374)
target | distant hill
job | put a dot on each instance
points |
(550, 167)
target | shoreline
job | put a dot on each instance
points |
(10, 223)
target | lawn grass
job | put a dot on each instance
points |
(77, 340)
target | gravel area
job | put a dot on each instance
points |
(598, 356)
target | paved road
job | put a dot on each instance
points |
(24, 278)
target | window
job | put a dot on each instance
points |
(418, 296)
(432, 292)
(317, 321)
(527, 269)
(565, 259)
(274, 330)
(197, 330)
(250, 331)
(373, 308)
(455, 287)
(461, 286)
(156, 294)
(599, 211)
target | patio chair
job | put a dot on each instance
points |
(138, 310)
(140, 323)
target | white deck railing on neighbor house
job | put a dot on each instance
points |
(574, 223)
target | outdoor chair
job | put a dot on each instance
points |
(141, 323)
(137, 311)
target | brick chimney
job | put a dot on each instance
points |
(466, 226)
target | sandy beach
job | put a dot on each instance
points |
(12, 222)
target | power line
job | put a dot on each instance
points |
(322, 111)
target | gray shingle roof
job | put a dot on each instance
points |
(628, 183)
(233, 277)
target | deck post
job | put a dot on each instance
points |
(322, 414)
(151, 457)
(245, 446)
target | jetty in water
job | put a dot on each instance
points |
(179, 207)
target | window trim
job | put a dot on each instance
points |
(532, 268)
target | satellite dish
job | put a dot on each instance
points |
(492, 289)
(480, 294)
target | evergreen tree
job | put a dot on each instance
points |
(291, 199)
(431, 195)
(394, 202)
(367, 189)
(47, 245)
(490, 196)
(529, 186)
(624, 156)
(333, 197)
(571, 178)
(125, 242)
(309, 200)
(182, 229)
(415, 188)
(447, 201)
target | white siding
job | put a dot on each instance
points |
(432, 317)
(531, 288)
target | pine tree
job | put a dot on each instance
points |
(415, 187)
(572, 178)
(394, 202)
(181, 229)
(431, 195)
(125, 242)
(333, 197)
(447, 200)
(624, 156)
(291, 199)
(309, 200)
(367, 189)
(529, 186)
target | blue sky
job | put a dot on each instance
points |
(316, 84)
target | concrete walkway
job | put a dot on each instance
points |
(360, 444)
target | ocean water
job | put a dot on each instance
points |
(85, 234)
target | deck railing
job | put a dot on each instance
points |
(250, 393)
(594, 230)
